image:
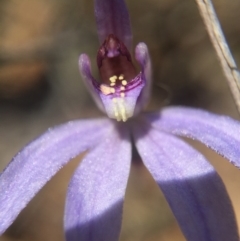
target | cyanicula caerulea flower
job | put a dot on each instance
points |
(94, 202)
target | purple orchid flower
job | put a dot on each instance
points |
(94, 202)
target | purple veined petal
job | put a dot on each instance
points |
(89, 81)
(95, 195)
(194, 191)
(220, 133)
(112, 18)
(32, 167)
(143, 58)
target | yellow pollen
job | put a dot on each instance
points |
(122, 95)
(113, 78)
(105, 89)
(124, 82)
(112, 84)
(122, 88)
(112, 90)
(121, 76)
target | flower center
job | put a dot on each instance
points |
(120, 84)
(118, 76)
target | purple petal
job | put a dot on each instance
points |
(91, 84)
(112, 18)
(143, 58)
(220, 133)
(194, 191)
(40, 160)
(95, 196)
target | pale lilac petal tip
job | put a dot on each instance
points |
(91, 84)
(40, 160)
(112, 18)
(143, 58)
(220, 133)
(95, 195)
(194, 191)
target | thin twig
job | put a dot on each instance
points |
(223, 52)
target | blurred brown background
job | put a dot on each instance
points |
(40, 86)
